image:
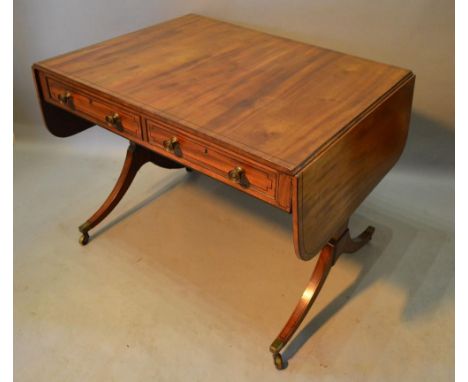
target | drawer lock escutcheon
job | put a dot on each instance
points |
(172, 145)
(237, 175)
(115, 121)
(65, 98)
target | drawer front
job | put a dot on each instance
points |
(104, 113)
(218, 163)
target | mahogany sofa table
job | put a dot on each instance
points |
(308, 130)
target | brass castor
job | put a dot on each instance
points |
(84, 238)
(278, 360)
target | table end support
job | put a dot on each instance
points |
(327, 258)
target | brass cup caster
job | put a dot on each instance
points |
(278, 361)
(275, 348)
(84, 228)
(84, 238)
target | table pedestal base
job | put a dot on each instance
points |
(137, 156)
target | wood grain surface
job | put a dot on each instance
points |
(271, 99)
(58, 121)
(259, 180)
(336, 182)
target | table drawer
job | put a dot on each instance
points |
(223, 165)
(104, 113)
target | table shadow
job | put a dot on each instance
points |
(174, 178)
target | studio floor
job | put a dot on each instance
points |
(190, 280)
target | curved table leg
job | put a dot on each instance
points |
(136, 157)
(328, 256)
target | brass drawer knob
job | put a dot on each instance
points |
(115, 120)
(65, 98)
(237, 175)
(173, 146)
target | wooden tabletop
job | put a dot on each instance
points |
(270, 97)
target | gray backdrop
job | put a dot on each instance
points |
(416, 34)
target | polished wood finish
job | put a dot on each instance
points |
(273, 99)
(136, 157)
(328, 256)
(95, 109)
(308, 130)
(91, 107)
(340, 177)
(262, 182)
(59, 122)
